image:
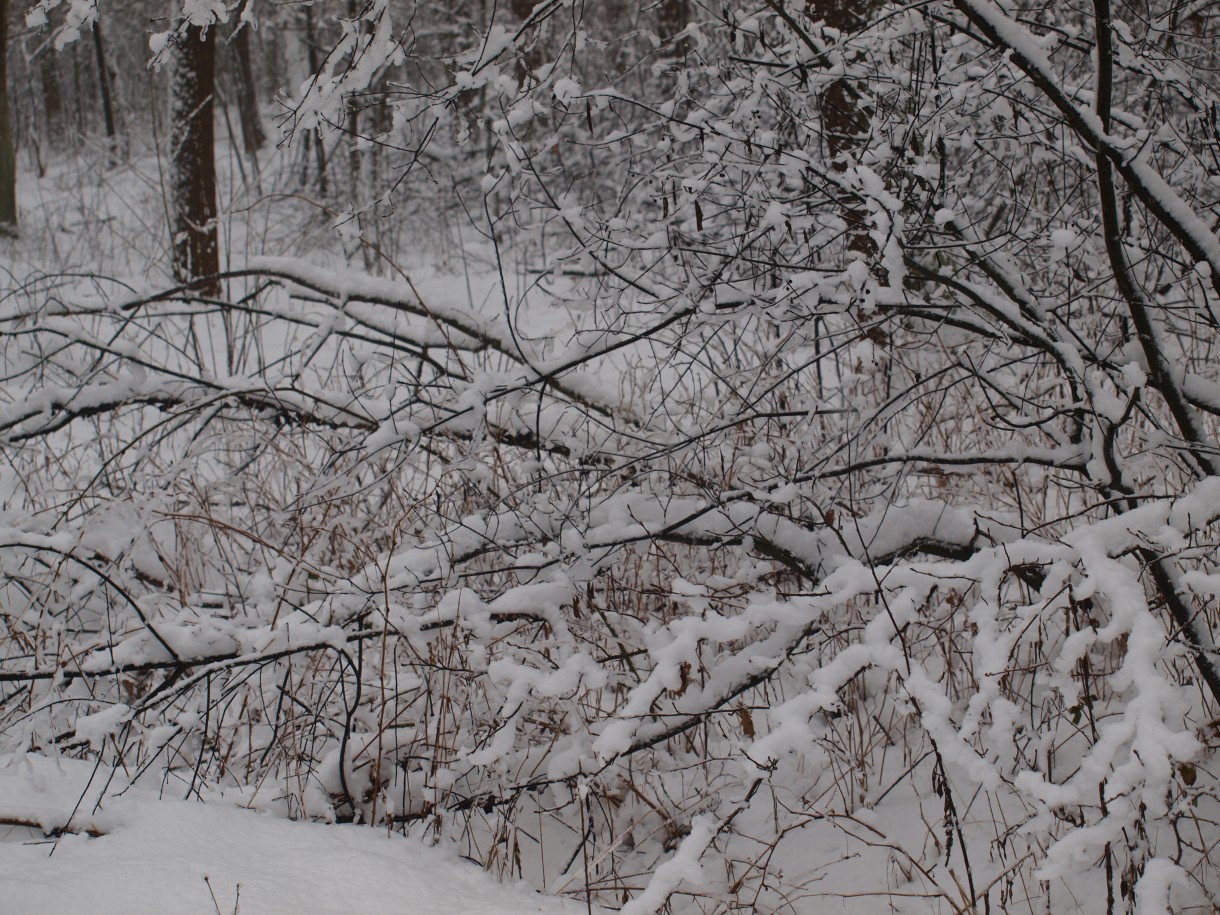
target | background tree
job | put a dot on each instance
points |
(673, 16)
(104, 85)
(193, 173)
(8, 159)
(252, 133)
(52, 94)
(844, 105)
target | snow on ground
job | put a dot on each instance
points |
(172, 857)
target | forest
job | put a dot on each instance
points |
(684, 456)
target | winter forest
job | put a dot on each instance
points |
(675, 456)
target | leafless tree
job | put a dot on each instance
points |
(193, 170)
(8, 160)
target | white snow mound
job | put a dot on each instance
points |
(157, 857)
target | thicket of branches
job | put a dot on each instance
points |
(827, 486)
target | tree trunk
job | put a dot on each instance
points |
(8, 157)
(77, 95)
(52, 97)
(533, 58)
(252, 134)
(196, 248)
(673, 16)
(352, 125)
(315, 63)
(846, 115)
(103, 82)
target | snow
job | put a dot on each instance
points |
(155, 856)
(683, 866)
(566, 90)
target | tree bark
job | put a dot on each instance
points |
(104, 86)
(533, 57)
(846, 115)
(315, 63)
(8, 157)
(252, 134)
(52, 97)
(195, 243)
(673, 16)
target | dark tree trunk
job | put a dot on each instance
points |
(252, 134)
(533, 58)
(672, 17)
(846, 114)
(8, 157)
(76, 54)
(355, 156)
(196, 248)
(311, 53)
(55, 124)
(52, 97)
(104, 85)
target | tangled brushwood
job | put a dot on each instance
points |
(809, 498)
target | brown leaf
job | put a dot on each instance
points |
(747, 722)
(684, 673)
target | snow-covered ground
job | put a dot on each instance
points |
(135, 854)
